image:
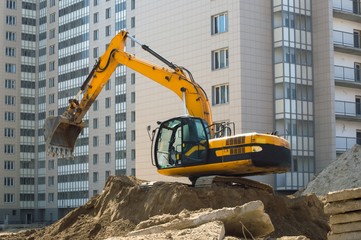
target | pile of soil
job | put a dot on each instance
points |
(343, 173)
(126, 202)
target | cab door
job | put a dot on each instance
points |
(181, 141)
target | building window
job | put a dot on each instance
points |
(50, 197)
(220, 59)
(107, 13)
(52, 3)
(107, 102)
(107, 85)
(95, 159)
(95, 17)
(51, 181)
(95, 141)
(289, 55)
(107, 139)
(107, 157)
(10, 4)
(51, 98)
(132, 116)
(107, 121)
(51, 33)
(220, 23)
(95, 123)
(220, 94)
(132, 4)
(51, 113)
(358, 105)
(132, 42)
(132, 78)
(51, 82)
(10, 68)
(8, 181)
(107, 30)
(52, 18)
(132, 154)
(358, 136)
(10, 36)
(132, 97)
(9, 148)
(10, 83)
(133, 135)
(51, 164)
(95, 105)
(95, 192)
(51, 66)
(10, 52)
(51, 49)
(95, 176)
(95, 52)
(9, 165)
(10, 100)
(107, 174)
(9, 198)
(96, 35)
(10, 20)
(95, 3)
(132, 22)
(9, 132)
(10, 116)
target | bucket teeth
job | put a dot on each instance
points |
(56, 151)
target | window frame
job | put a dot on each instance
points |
(220, 97)
(220, 58)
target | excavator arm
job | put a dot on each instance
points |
(61, 132)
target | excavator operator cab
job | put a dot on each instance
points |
(181, 141)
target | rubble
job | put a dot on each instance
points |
(237, 221)
(343, 173)
(126, 203)
(344, 208)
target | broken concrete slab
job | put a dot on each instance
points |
(346, 227)
(249, 217)
(347, 194)
(345, 217)
(211, 230)
(293, 238)
(342, 207)
(345, 236)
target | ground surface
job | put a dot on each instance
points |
(124, 203)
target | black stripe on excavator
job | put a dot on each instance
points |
(270, 155)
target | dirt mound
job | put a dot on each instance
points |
(125, 203)
(343, 173)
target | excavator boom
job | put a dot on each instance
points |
(61, 132)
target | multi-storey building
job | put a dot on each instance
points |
(286, 65)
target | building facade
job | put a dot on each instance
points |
(287, 65)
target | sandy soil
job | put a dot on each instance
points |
(125, 203)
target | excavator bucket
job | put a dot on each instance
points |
(60, 135)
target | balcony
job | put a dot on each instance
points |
(347, 9)
(348, 110)
(347, 42)
(347, 76)
(345, 143)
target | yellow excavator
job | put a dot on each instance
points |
(191, 145)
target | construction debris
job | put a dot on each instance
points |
(126, 203)
(238, 221)
(344, 208)
(343, 173)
